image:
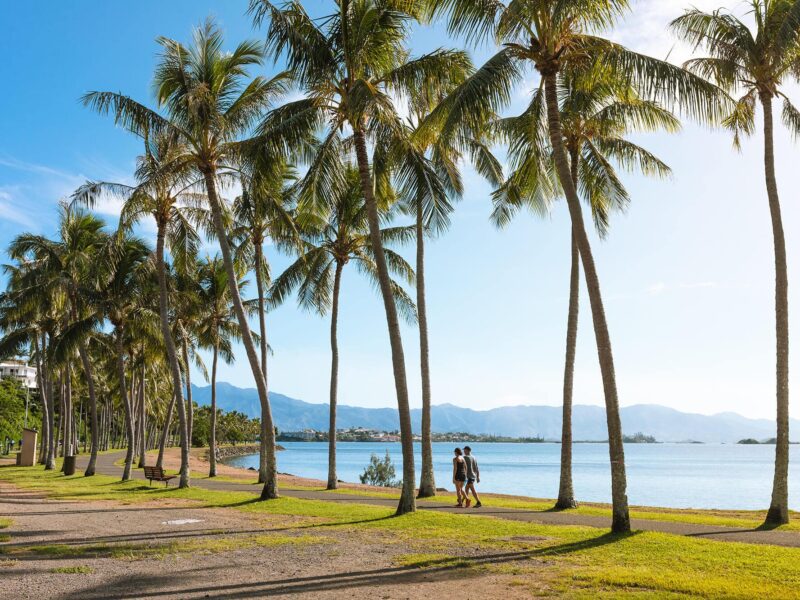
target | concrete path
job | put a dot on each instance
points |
(106, 466)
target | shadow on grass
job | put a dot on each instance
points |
(446, 569)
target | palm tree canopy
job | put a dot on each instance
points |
(557, 36)
(751, 64)
(597, 115)
(341, 238)
(217, 325)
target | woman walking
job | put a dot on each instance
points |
(460, 477)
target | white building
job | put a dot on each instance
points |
(20, 371)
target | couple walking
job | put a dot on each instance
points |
(465, 474)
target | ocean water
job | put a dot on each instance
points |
(729, 476)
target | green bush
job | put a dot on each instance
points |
(380, 472)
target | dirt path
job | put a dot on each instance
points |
(86, 550)
(105, 465)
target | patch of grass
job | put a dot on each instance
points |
(79, 570)
(140, 551)
(5, 523)
(441, 561)
(4, 537)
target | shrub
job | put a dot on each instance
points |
(380, 472)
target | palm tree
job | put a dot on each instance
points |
(328, 246)
(70, 263)
(757, 65)
(557, 37)
(29, 311)
(120, 299)
(427, 170)
(596, 117)
(261, 212)
(210, 107)
(218, 329)
(350, 63)
(165, 191)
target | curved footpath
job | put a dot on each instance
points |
(106, 466)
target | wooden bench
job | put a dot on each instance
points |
(157, 474)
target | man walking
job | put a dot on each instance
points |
(473, 475)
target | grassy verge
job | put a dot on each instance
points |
(720, 518)
(575, 561)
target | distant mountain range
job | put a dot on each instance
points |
(666, 424)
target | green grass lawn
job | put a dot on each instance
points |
(747, 519)
(578, 561)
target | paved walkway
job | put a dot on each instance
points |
(106, 466)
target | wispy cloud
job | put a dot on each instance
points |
(646, 28)
(20, 165)
(12, 211)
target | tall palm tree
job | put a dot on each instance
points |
(165, 191)
(70, 263)
(427, 171)
(261, 212)
(350, 63)
(597, 115)
(328, 246)
(211, 108)
(218, 329)
(756, 65)
(118, 296)
(556, 37)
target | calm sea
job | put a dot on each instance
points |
(674, 475)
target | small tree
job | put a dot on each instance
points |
(380, 472)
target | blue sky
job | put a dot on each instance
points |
(686, 272)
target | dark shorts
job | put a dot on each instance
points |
(470, 480)
(461, 478)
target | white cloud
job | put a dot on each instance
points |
(646, 28)
(12, 211)
(656, 289)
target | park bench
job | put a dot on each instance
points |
(157, 474)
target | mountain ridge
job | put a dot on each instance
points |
(664, 423)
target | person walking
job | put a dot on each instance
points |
(460, 477)
(473, 476)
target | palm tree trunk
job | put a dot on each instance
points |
(165, 431)
(172, 356)
(87, 371)
(270, 489)
(778, 513)
(123, 392)
(142, 421)
(427, 483)
(212, 442)
(50, 458)
(620, 514)
(48, 441)
(60, 432)
(70, 426)
(262, 323)
(189, 401)
(337, 283)
(566, 494)
(407, 502)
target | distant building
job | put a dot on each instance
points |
(20, 371)
(307, 434)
